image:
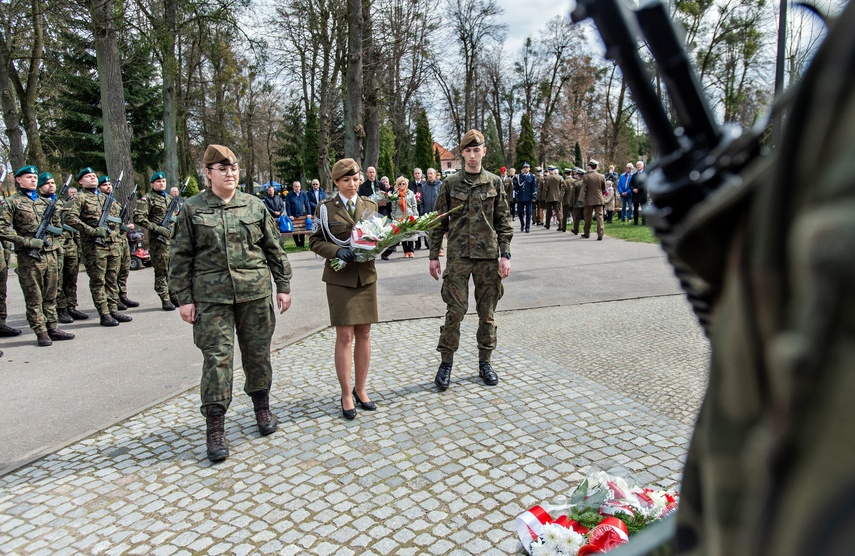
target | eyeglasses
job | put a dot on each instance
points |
(226, 170)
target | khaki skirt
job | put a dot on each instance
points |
(349, 306)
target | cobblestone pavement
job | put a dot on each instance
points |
(427, 473)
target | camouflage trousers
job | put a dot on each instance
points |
(214, 332)
(455, 293)
(68, 267)
(160, 262)
(102, 267)
(591, 213)
(124, 265)
(38, 281)
(4, 274)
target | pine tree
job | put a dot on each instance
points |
(289, 155)
(580, 163)
(423, 155)
(437, 161)
(386, 165)
(310, 145)
(525, 144)
(493, 160)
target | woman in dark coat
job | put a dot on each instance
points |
(352, 291)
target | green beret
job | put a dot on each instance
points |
(84, 171)
(103, 179)
(44, 177)
(157, 176)
(23, 170)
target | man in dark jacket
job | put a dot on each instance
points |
(416, 184)
(316, 195)
(372, 185)
(273, 203)
(526, 194)
(297, 205)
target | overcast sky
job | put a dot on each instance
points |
(527, 17)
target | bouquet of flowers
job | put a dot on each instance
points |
(601, 514)
(418, 197)
(374, 234)
(383, 197)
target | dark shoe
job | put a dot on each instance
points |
(599, 238)
(264, 418)
(58, 335)
(128, 302)
(121, 317)
(77, 315)
(108, 320)
(486, 372)
(443, 377)
(527, 230)
(575, 232)
(63, 316)
(384, 257)
(349, 414)
(167, 305)
(121, 306)
(8, 331)
(586, 236)
(367, 406)
(43, 339)
(218, 446)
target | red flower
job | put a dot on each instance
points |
(395, 230)
(609, 534)
(412, 218)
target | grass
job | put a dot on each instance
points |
(290, 247)
(629, 232)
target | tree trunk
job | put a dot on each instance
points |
(11, 118)
(371, 96)
(28, 98)
(170, 69)
(117, 136)
(354, 132)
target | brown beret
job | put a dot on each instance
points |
(218, 153)
(344, 167)
(473, 138)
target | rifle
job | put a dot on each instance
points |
(45, 227)
(169, 218)
(105, 212)
(125, 215)
(697, 158)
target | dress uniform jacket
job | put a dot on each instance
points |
(340, 225)
(593, 188)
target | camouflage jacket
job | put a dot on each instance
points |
(481, 229)
(225, 252)
(24, 215)
(70, 236)
(84, 213)
(150, 210)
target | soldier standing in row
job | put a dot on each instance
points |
(37, 259)
(222, 255)
(123, 250)
(69, 268)
(100, 257)
(149, 213)
(567, 200)
(5, 252)
(479, 245)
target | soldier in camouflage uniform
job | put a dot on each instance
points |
(221, 257)
(149, 214)
(123, 250)
(37, 270)
(66, 291)
(479, 245)
(5, 252)
(101, 261)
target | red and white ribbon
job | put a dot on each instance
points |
(530, 525)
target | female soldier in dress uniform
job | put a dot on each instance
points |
(352, 291)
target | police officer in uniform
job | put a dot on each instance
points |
(149, 213)
(221, 257)
(37, 259)
(100, 257)
(479, 245)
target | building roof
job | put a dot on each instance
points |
(444, 154)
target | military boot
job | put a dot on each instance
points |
(43, 339)
(167, 305)
(487, 374)
(218, 446)
(8, 331)
(63, 316)
(120, 317)
(264, 418)
(58, 335)
(121, 306)
(108, 320)
(77, 315)
(443, 376)
(129, 302)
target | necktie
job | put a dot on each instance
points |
(351, 208)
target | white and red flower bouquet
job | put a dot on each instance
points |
(601, 514)
(373, 234)
(383, 197)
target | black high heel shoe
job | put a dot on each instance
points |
(349, 414)
(367, 406)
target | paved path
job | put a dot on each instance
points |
(601, 363)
